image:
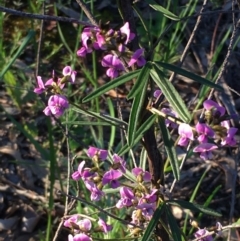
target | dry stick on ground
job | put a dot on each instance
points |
(45, 17)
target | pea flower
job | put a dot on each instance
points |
(57, 104)
(41, 87)
(82, 172)
(127, 198)
(119, 163)
(85, 225)
(104, 226)
(67, 71)
(137, 58)
(70, 221)
(203, 232)
(215, 107)
(79, 237)
(125, 30)
(168, 122)
(147, 209)
(114, 65)
(96, 193)
(92, 152)
(110, 177)
(231, 131)
(186, 133)
(204, 132)
(157, 93)
(205, 150)
(139, 173)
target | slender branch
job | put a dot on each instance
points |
(87, 12)
(44, 17)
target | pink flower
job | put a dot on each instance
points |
(215, 107)
(203, 232)
(170, 112)
(104, 226)
(96, 193)
(114, 65)
(67, 71)
(127, 198)
(147, 209)
(145, 175)
(157, 93)
(205, 150)
(79, 237)
(126, 31)
(204, 132)
(41, 87)
(110, 177)
(186, 133)
(72, 220)
(138, 58)
(85, 225)
(82, 52)
(92, 152)
(83, 173)
(57, 104)
(119, 163)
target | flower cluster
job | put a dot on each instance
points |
(57, 102)
(211, 132)
(134, 195)
(108, 40)
(82, 228)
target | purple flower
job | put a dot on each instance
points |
(89, 37)
(215, 107)
(157, 93)
(231, 131)
(114, 65)
(170, 112)
(79, 237)
(119, 163)
(138, 58)
(204, 132)
(205, 150)
(94, 152)
(83, 173)
(96, 193)
(127, 198)
(147, 209)
(144, 175)
(41, 87)
(104, 226)
(85, 225)
(126, 31)
(203, 232)
(67, 71)
(72, 220)
(110, 177)
(152, 197)
(82, 52)
(57, 104)
(186, 133)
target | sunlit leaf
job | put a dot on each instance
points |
(170, 93)
(111, 85)
(169, 147)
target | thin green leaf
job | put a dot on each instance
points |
(170, 93)
(134, 115)
(169, 147)
(111, 85)
(108, 119)
(139, 134)
(163, 10)
(176, 233)
(142, 78)
(190, 75)
(152, 224)
(25, 42)
(194, 207)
